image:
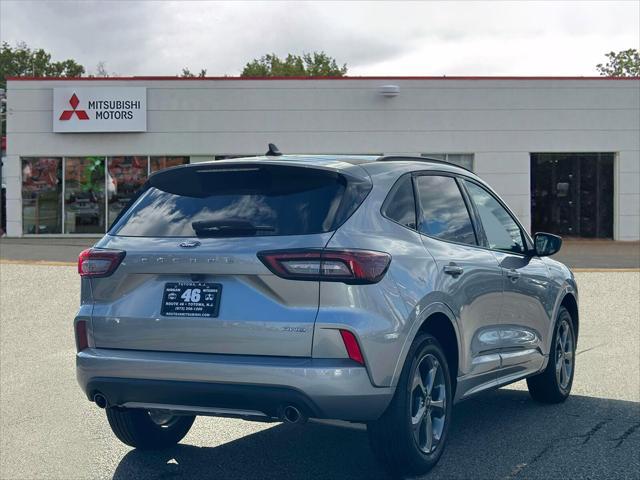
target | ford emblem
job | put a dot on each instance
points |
(189, 244)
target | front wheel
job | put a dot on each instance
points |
(148, 429)
(410, 436)
(553, 385)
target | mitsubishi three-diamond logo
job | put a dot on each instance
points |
(68, 114)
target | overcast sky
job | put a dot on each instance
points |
(373, 38)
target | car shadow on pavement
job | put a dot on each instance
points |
(502, 434)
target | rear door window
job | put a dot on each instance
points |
(241, 200)
(443, 213)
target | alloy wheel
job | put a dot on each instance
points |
(428, 403)
(564, 355)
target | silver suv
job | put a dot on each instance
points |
(366, 289)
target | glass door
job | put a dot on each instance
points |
(41, 195)
(84, 201)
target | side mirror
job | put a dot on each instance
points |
(546, 244)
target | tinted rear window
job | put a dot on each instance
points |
(241, 200)
(400, 204)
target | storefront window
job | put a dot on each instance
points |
(41, 195)
(95, 190)
(84, 207)
(159, 163)
(125, 176)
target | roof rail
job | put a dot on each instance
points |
(409, 158)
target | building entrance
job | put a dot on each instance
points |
(572, 194)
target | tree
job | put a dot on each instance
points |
(186, 73)
(316, 64)
(101, 70)
(22, 61)
(625, 63)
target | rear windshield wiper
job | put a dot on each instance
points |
(228, 228)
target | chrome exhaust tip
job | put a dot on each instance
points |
(291, 414)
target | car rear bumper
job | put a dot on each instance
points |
(321, 388)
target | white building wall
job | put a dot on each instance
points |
(500, 121)
(508, 174)
(628, 195)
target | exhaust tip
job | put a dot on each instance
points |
(291, 414)
(100, 400)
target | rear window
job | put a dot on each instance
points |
(241, 200)
(400, 205)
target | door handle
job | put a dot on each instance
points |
(453, 270)
(513, 275)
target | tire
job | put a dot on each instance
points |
(392, 437)
(553, 385)
(148, 430)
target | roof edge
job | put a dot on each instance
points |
(173, 78)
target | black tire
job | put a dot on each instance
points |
(552, 386)
(392, 435)
(136, 428)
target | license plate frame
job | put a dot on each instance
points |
(205, 303)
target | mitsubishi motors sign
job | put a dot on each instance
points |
(100, 109)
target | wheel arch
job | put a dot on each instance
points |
(437, 320)
(570, 302)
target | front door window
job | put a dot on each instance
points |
(501, 230)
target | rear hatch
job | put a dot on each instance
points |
(191, 280)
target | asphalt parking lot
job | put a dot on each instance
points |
(49, 429)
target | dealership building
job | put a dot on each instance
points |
(564, 153)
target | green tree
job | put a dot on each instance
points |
(625, 63)
(186, 73)
(316, 64)
(22, 61)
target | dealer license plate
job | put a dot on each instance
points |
(191, 299)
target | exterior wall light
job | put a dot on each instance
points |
(389, 90)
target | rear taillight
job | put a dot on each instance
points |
(96, 262)
(348, 266)
(351, 344)
(82, 339)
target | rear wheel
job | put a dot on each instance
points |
(148, 429)
(553, 385)
(410, 436)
